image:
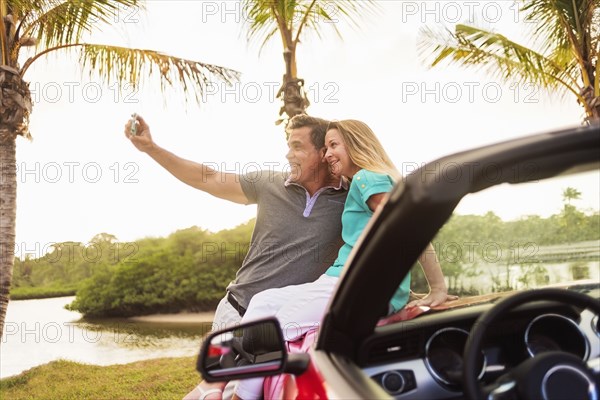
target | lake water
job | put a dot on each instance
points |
(39, 331)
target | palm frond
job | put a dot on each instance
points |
(125, 65)
(555, 21)
(120, 64)
(567, 39)
(260, 20)
(55, 23)
(497, 56)
(262, 16)
(347, 10)
(4, 45)
(567, 24)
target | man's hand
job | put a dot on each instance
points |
(142, 140)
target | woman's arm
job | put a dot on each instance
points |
(376, 200)
(438, 292)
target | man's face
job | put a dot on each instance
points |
(304, 159)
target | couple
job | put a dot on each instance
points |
(304, 208)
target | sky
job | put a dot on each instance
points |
(80, 176)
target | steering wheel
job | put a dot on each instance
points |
(548, 375)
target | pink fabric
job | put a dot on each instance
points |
(282, 387)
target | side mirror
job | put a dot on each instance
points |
(245, 351)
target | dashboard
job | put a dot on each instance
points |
(423, 358)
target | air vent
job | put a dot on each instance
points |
(397, 348)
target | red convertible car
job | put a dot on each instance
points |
(516, 228)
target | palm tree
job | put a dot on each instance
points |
(292, 18)
(60, 25)
(565, 60)
(570, 194)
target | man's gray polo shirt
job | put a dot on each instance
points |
(296, 236)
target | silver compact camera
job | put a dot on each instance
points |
(133, 125)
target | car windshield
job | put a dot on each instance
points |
(520, 236)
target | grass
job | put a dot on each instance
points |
(26, 293)
(164, 378)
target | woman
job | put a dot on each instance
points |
(353, 151)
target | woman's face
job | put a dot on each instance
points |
(337, 155)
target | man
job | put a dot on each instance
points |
(298, 223)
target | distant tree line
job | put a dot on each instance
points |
(469, 240)
(190, 269)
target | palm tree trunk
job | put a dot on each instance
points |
(595, 110)
(8, 211)
(15, 106)
(591, 102)
(292, 92)
(596, 114)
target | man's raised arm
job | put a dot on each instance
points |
(223, 185)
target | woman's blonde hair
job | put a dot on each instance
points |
(364, 149)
